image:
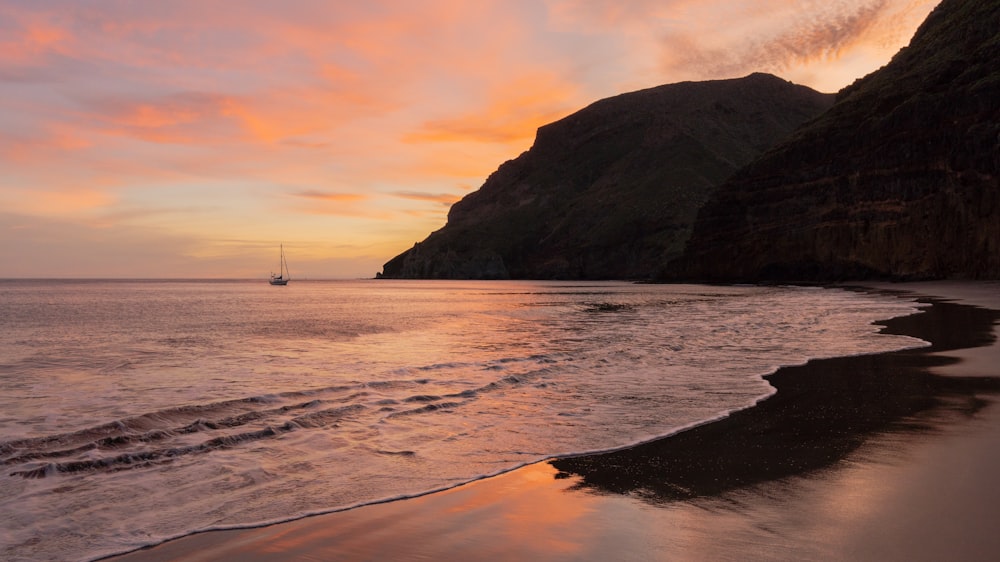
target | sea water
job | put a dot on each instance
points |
(136, 411)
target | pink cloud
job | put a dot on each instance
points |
(808, 37)
(707, 39)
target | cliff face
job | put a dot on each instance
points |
(899, 179)
(612, 190)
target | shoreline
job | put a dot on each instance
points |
(674, 496)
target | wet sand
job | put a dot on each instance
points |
(885, 457)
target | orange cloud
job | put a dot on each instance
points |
(332, 197)
(513, 112)
(354, 205)
(453, 165)
(30, 37)
(444, 199)
(173, 118)
(212, 118)
(53, 141)
(346, 87)
(55, 202)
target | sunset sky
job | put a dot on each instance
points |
(189, 138)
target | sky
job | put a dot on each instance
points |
(190, 138)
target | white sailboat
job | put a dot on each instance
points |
(283, 276)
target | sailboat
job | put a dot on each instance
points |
(283, 276)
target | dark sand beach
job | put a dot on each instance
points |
(883, 457)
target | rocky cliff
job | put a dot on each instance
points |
(899, 179)
(612, 190)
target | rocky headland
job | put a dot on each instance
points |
(612, 190)
(756, 179)
(898, 180)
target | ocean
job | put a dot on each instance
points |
(132, 412)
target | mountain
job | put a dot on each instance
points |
(612, 190)
(898, 180)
